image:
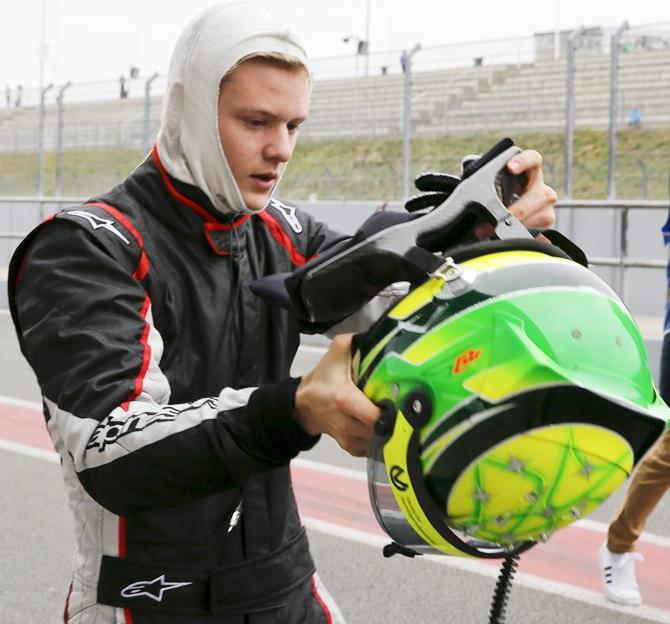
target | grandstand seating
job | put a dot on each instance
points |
(509, 98)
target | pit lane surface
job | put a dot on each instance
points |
(557, 581)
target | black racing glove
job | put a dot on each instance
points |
(473, 223)
(436, 187)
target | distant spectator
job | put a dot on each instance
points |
(8, 96)
(123, 91)
(635, 117)
(19, 93)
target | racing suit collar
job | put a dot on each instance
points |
(185, 209)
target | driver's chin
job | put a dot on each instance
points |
(256, 201)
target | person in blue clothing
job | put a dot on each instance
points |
(635, 117)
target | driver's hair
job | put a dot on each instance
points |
(276, 59)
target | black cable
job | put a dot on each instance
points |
(503, 589)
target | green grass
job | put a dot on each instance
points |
(372, 168)
(85, 172)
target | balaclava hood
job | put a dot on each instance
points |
(188, 141)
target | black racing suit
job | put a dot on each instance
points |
(134, 312)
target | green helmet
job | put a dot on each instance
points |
(518, 397)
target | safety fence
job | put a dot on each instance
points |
(604, 78)
(622, 239)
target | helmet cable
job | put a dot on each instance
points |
(503, 589)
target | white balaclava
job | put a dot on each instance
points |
(188, 141)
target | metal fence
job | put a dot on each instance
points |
(586, 78)
(622, 239)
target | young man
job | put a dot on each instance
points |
(165, 382)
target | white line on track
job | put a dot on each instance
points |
(474, 566)
(330, 469)
(21, 403)
(30, 451)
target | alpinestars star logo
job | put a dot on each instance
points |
(98, 222)
(151, 589)
(288, 212)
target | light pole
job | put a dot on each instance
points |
(614, 107)
(42, 56)
(40, 141)
(43, 46)
(570, 108)
(361, 47)
(59, 138)
(146, 123)
(557, 31)
(367, 37)
(406, 63)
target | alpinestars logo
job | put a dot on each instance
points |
(288, 212)
(151, 589)
(98, 222)
(113, 428)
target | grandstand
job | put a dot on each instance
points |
(522, 96)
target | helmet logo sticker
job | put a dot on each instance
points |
(396, 473)
(465, 359)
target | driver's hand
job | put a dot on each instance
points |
(535, 206)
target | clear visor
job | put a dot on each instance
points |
(388, 514)
(394, 523)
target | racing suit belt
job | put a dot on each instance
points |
(255, 585)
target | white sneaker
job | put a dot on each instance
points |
(617, 572)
